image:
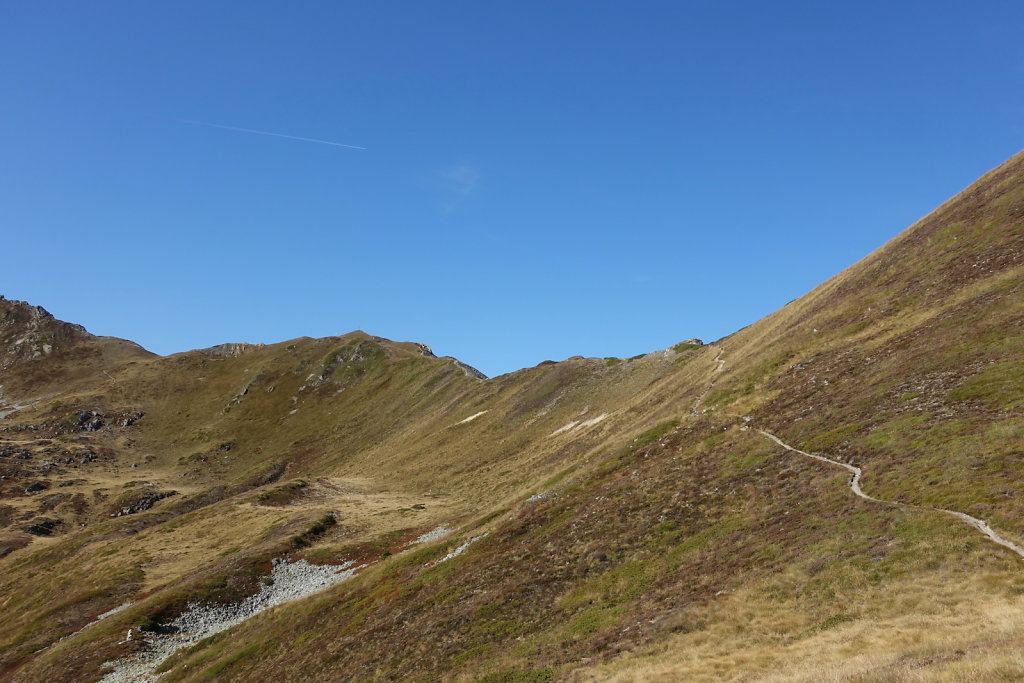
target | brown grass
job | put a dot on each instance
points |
(663, 546)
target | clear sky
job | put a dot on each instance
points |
(539, 179)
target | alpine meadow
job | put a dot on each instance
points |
(835, 492)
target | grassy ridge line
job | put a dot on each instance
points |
(169, 404)
(904, 363)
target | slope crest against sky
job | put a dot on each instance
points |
(507, 184)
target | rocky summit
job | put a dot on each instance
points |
(833, 493)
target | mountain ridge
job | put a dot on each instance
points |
(653, 518)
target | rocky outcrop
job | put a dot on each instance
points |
(28, 332)
(231, 349)
(88, 421)
(42, 526)
(142, 503)
(467, 370)
(41, 356)
(36, 487)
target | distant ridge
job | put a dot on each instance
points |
(834, 491)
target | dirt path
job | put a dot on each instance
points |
(982, 526)
(697, 401)
(856, 472)
(979, 524)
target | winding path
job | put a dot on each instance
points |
(856, 472)
(697, 401)
(982, 526)
(979, 524)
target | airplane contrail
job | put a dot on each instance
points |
(276, 135)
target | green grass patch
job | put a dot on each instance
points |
(854, 328)
(314, 532)
(626, 582)
(834, 621)
(469, 654)
(999, 386)
(653, 434)
(218, 668)
(829, 439)
(590, 622)
(520, 676)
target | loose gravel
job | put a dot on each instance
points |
(117, 609)
(458, 551)
(432, 535)
(290, 581)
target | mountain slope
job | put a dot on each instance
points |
(911, 361)
(608, 519)
(40, 355)
(206, 452)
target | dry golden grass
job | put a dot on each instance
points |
(670, 547)
(933, 628)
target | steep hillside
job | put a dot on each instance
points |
(659, 518)
(909, 363)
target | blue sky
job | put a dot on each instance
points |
(539, 179)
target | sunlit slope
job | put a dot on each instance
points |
(910, 363)
(367, 407)
(699, 552)
(700, 549)
(216, 461)
(628, 519)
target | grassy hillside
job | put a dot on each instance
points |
(612, 519)
(910, 363)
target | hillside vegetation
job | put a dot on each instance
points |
(591, 519)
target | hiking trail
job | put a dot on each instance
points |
(856, 473)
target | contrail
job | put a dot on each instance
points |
(276, 135)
